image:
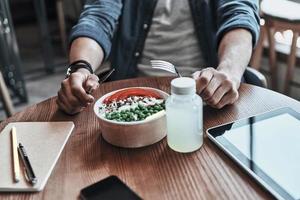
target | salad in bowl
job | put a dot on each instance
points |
(132, 117)
(132, 104)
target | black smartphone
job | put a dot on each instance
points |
(110, 188)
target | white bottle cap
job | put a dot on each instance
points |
(183, 86)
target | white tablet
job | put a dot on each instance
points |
(267, 146)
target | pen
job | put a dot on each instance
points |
(15, 156)
(29, 173)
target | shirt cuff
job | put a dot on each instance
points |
(242, 22)
(85, 30)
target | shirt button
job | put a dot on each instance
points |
(145, 26)
(136, 54)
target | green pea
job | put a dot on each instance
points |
(142, 115)
(137, 111)
(141, 112)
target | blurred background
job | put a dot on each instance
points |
(33, 48)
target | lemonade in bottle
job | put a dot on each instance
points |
(184, 112)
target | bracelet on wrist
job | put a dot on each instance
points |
(74, 66)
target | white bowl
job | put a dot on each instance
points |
(133, 134)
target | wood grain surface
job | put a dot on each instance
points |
(154, 172)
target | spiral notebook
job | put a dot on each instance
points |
(44, 142)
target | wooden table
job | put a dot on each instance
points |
(154, 172)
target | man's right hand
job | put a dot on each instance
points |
(75, 92)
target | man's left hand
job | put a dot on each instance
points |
(216, 88)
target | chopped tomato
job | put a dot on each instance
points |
(124, 94)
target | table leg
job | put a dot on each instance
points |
(291, 63)
(272, 54)
(62, 24)
(7, 103)
(258, 51)
(10, 61)
(47, 49)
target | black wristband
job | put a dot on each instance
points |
(74, 66)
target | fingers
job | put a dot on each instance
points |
(228, 99)
(218, 94)
(216, 88)
(202, 79)
(92, 83)
(67, 96)
(76, 87)
(72, 97)
(61, 104)
(65, 106)
(211, 88)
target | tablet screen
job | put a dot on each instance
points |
(269, 145)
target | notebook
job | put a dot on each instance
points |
(44, 142)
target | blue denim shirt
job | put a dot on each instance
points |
(120, 27)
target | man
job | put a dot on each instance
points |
(212, 38)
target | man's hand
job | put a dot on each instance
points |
(216, 88)
(219, 87)
(75, 92)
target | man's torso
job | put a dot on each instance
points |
(172, 38)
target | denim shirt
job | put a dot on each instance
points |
(120, 27)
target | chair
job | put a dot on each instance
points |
(281, 15)
(4, 94)
(10, 62)
(61, 23)
(76, 6)
(254, 77)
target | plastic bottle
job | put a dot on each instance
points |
(184, 111)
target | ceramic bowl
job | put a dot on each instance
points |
(132, 134)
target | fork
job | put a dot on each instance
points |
(103, 79)
(164, 65)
